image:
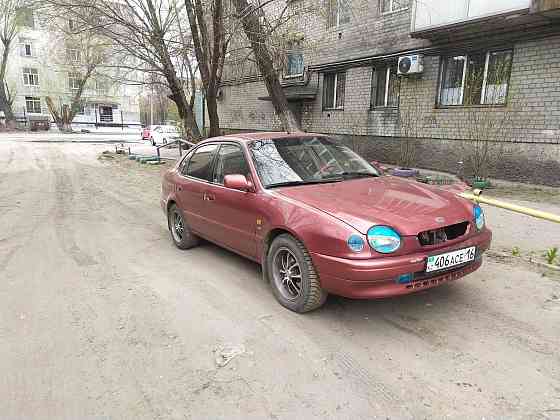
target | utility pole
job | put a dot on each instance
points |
(152, 105)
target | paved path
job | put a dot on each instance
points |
(102, 317)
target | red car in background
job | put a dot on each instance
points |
(320, 219)
(147, 132)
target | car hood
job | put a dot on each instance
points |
(410, 207)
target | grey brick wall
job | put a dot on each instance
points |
(531, 138)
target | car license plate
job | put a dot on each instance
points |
(450, 259)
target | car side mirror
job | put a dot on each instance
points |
(237, 182)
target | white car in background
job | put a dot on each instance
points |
(163, 134)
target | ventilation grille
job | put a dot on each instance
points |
(444, 234)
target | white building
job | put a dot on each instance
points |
(40, 65)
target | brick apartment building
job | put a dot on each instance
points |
(341, 78)
(41, 65)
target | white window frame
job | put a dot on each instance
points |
(74, 55)
(339, 7)
(484, 81)
(72, 79)
(391, 10)
(334, 107)
(292, 76)
(25, 45)
(33, 99)
(28, 76)
(387, 74)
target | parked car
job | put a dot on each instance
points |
(163, 134)
(320, 219)
(146, 132)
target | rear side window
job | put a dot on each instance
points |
(200, 163)
(230, 161)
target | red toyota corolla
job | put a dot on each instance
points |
(320, 219)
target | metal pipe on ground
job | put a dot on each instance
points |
(477, 197)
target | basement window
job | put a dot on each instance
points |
(475, 79)
(334, 85)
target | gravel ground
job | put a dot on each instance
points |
(102, 317)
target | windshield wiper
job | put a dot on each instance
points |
(350, 174)
(309, 182)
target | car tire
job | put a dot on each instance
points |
(309, 295)
(182, 238)
(152, 140)
(164, 141)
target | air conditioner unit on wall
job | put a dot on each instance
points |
(411, 64)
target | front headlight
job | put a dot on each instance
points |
(478, 215)
(384, 239)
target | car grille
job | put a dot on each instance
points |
(444, 234)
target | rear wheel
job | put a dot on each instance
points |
(182, 236)
(293, 278)
(153, 141)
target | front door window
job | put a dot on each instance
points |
(230, 161)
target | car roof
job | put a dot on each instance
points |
(248, 137)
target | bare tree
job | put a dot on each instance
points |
(10, 20)
(145, 39)
(210, 45)
(257, 35)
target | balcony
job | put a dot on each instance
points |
(432, 14)
(480, 22)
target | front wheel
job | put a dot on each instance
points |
(293, 277)
(182, 236)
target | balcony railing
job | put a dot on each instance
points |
(431, 14)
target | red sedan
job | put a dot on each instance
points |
(320, 219)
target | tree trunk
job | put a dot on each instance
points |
(256, 35)
(5, 104)
(213, 117)
(210, 60)
(178, 96)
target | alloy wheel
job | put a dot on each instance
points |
(287, 273)
(177, 226)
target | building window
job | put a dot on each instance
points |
(73, 55)
(74, 81)
(25, 17)
(389, 6)
(475, 79)
(385, 86)
(294, 60)
(101, 87)
(338, 12)
(33, 104)
(30, 77)
(27, 50)
(333, 90)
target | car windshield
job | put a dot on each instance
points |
(306, 160)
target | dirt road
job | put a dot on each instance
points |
(102, 317)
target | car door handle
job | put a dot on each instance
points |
(208, 197)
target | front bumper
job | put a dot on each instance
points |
(377, 278)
